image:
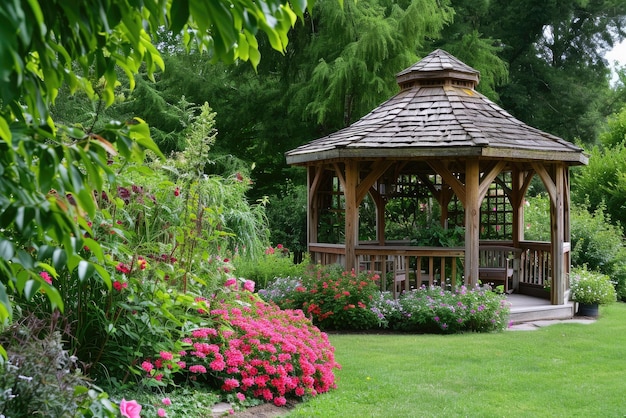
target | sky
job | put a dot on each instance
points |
(617, 54)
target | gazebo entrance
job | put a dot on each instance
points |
(440, 144)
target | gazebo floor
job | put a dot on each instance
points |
(527, 308)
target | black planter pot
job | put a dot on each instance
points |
(587, 309)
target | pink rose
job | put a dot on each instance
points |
(166, 401)
(130, 409)
(161, 412)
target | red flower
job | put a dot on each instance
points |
(122, 268)
(117, 286)
(176, 191)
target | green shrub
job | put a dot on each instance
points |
(591, 287)
(595, 241)
(39, 377)
(276, 262)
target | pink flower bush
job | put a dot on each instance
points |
(130, 409)
(255, 350)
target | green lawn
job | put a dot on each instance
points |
(564, 370)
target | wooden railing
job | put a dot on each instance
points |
(407, 267)
(535, 267)
(403, 267)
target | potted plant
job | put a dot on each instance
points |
(590, 289)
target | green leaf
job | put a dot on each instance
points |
(5, 132)
(59, 258)
(24, 259)
(104, 275)
(30, 288)
(7, 249)
(85, 270)
(179, 15)
(85, 198)
(140, 132)
(47, 168)
(6, 310)
(23, 218)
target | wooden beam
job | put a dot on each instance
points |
(340, 176)
(449, 178)
(314, 174)
(547, 180)
(488, 178)
(378, 169)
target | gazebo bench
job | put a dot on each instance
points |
(496, 266)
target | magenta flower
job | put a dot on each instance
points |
(46, 277)
(166, 401)
(161, 412)
(197, 368)
(249, 285)
(147, 366)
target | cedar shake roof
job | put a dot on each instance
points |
(438, 113)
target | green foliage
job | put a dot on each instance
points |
(355, 53)
(595, 242)
(276, 262)
(162, 243)
(591, 287)
(179, 402)
(286, 213)
(41, 378)
(603, 182)
(59, 43)
(615, 134)
(434, 235)
(559, 81)
(434, 310)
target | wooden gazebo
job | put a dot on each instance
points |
(439, 136)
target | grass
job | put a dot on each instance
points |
(564, 370)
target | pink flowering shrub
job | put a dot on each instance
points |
(254, 350)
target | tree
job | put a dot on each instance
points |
(558, 76)
(349, 64)
(49, 171)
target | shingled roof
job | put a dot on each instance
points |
(438, 113)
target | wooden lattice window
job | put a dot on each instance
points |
(332, 204)
(496, 213)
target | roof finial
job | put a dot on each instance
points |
(437, 68)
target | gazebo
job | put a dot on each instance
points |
(439, 140)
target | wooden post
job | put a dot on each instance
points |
(472, 221)
(352, 212)
(517, 203)
(557, 234)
